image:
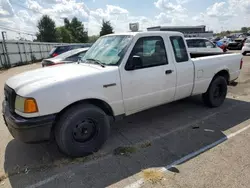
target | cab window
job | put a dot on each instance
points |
(180, 50)
(150, 51)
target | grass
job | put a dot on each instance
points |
(145, 145)
(124, 151)
(152, 175)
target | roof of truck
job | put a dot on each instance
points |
(146, 32)
(192, 38)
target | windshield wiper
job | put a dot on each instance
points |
(97, 62)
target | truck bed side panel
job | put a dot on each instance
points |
(207, 67)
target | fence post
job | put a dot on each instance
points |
(1, 62)
(19, 51)
(31, 58)
(2, 53)
(7, 58)
(40, 50)
(25, 52)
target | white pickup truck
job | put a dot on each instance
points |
(121, 74)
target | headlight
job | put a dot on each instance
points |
(26, 105)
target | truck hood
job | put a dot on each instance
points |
(42, 77)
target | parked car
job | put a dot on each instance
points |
(215, 39)
(226, 41)
(246, 47)
(59, 49)
(237, 44)
(202, 45)
(221, 45)
(121, 74)
(67, 57)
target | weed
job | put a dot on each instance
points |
(3, 177)
(146, 145)
(124, 151)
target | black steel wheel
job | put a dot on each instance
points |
(216, 92)
(82, 130)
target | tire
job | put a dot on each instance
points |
(244, 53)
(82, 130)
(216, 93)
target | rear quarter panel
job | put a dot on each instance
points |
(207, 67)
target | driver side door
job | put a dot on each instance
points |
(150, 82)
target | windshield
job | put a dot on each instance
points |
(109, 50)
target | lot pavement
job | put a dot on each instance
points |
(156, 138)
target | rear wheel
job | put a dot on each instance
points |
(82, 130)
(216, 92)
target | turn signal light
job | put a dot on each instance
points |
(30, 106)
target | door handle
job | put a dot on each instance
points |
(168, 71)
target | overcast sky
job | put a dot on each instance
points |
(216, 14)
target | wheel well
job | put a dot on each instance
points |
(225, 74)
(97, 102)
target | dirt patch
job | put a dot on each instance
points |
(153, 176)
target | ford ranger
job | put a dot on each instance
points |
(121, 74)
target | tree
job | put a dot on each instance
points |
(76, 29)
(106, 28)
(93, 38)
(63, 35)
(244, 30)
(47, 29)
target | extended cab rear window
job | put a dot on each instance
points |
(180, 50)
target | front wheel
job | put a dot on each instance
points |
(82, 130)
(216, 93)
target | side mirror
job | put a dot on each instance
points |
(134, 63)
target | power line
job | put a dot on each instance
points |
(16, 30)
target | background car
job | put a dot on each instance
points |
(57, 50)
(221, 45)
(246, 47)
(67, 57)
(202, 45)
(237, 44)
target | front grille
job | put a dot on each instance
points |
(10, 97)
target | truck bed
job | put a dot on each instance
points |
(197, 55)
(206, 66)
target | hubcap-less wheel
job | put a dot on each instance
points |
(81, 130)
(84, 131)
(216, 92)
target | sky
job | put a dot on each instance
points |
(217, 15)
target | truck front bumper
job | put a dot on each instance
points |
(28, 130)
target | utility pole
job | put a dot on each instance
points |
(5, 50)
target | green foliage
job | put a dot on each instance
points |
(76, 30)
(93, 38)
(244, 29)
(63, 35)
(106, 28)
(47, 29)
